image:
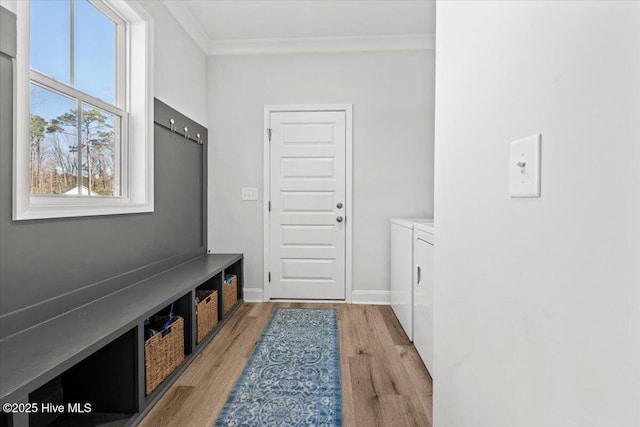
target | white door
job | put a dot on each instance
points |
(307, 194)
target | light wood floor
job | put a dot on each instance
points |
(384, 382)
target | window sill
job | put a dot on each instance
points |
(46, 208)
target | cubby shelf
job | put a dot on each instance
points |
(95, 353)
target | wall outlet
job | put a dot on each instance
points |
(249, 194)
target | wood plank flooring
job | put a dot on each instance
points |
(384, 382)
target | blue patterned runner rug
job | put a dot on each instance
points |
(293, 375)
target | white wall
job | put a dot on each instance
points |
(180, 65)
(537, 305)
(392, 94)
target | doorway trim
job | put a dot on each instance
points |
(266, 189)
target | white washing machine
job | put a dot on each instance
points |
(401, 279)
(423, 286)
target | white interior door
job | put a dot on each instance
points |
(308, 214)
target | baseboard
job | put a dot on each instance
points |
(371, 297)
(253, 294)
(310, 301)
(357, 297)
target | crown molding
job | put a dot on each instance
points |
(188, 23)
(322, 44)
(424, 41)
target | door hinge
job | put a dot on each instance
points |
(269, 276)
(269, 133)
(269, 205)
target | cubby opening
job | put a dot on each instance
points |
(100, 389)
(214, 284)
(163, 356)
(181, 307)
(6, 420)
(236, 269)
(208, 316)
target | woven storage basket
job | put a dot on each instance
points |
(207, 313)
(163, 352)
(230, 292)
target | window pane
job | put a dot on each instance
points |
(95, 52)
(98, 152)
(54, 142)
(50, 40)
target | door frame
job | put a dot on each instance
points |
(266, 188)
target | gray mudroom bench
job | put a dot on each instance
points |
(95, 352)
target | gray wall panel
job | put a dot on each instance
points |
(8, 32)
(68, 262)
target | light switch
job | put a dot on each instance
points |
(524, 167)
(249, 194)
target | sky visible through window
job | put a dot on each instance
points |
(91, 69)
(94, 43)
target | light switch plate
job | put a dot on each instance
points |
(524, 167)
(249, 194)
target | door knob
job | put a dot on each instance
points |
(339, 205)
(339, 218)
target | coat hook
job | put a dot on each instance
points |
(186, 132)
(172, 125)
(199, 139)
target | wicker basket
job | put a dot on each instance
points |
(163, 352)
(206, 313)
(230, 292)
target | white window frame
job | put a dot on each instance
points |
(136, 99)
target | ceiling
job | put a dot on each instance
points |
(218, 22)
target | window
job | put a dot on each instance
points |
(84, 109)
(76, 103)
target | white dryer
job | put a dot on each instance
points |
(423, 286)
(401, 278)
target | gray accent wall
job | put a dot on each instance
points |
(48, 267)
